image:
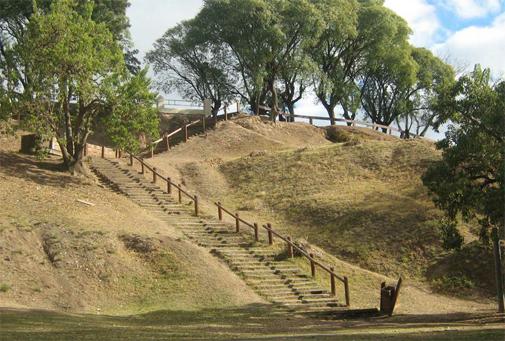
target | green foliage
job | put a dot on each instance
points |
(469, 180)
(4, 287)
(76, 70)
(450, 235)
(458, 285)
(133, 114)
(185, 63)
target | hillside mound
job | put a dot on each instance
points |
(360, 198)
(248, 134)
(68, 244)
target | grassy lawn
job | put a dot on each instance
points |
(251, 322)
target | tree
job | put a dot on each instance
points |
(434, 79)
(131, 113)
(261, 37)
(16, 15)
(386, 85)
(356, 33)
(470, 179)
(76, 69)
(192, 66)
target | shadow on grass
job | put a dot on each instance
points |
(49, 172)
(249, 322)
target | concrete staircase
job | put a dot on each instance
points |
(279, 281)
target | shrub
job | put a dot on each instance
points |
(450, 235)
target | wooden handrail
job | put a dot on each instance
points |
(367, 124)
(169, 181)
(292, 246)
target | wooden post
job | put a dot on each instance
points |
(311, 121)
(103, 152)
(256, 233)
(167, 143)
(225, 113)
(270, 234)
(85, 149)
(169, 186)
(180, 194)
(237, 223)
(120, 153)
(312, 265)
(203, 123)
(115, 153)
(186, 133)
(219, 211)
(196, 205)
(152, 151)
(290, 248)
(332, 283)
(498, 270)
(238, 108)
(347, 294)
(142, 166)
(154, 175)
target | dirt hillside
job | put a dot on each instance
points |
(109, 257)
(359, 197)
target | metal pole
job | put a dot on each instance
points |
(498, 271)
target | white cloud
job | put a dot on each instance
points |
(468, 9)
(151, 19)
(422, 18)
(478, 45)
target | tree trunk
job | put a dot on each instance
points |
(330, 109)
(275, 100)
(291, 109)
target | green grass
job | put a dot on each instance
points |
(252, 322)
(364, 203)
(4, 287)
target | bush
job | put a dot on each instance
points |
(455, 284)
(450, 235)
(4, 287)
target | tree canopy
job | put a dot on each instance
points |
(470, 179)
(354, 55)
(77, 72)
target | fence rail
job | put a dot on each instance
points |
(291, 247)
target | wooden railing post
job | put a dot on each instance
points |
(312, 265)
(498, 269)
(152, 151)
(311, 122)
(196, 205)
(115, 153)
(270, 235)
(180, 194)
(225, 113)
(103, 152)
(154, 175)
(169, 186)
(332, 283)
(219, 211)
(347, 294)
(131, 160)
(120, 153)
(203, 123)
(186, 133)
(256, 233)
(290, 247)
(167, 142)
(238, 108)
(85, 149)
(142, 166)
(237, 223)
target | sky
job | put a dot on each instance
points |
(461, 32)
